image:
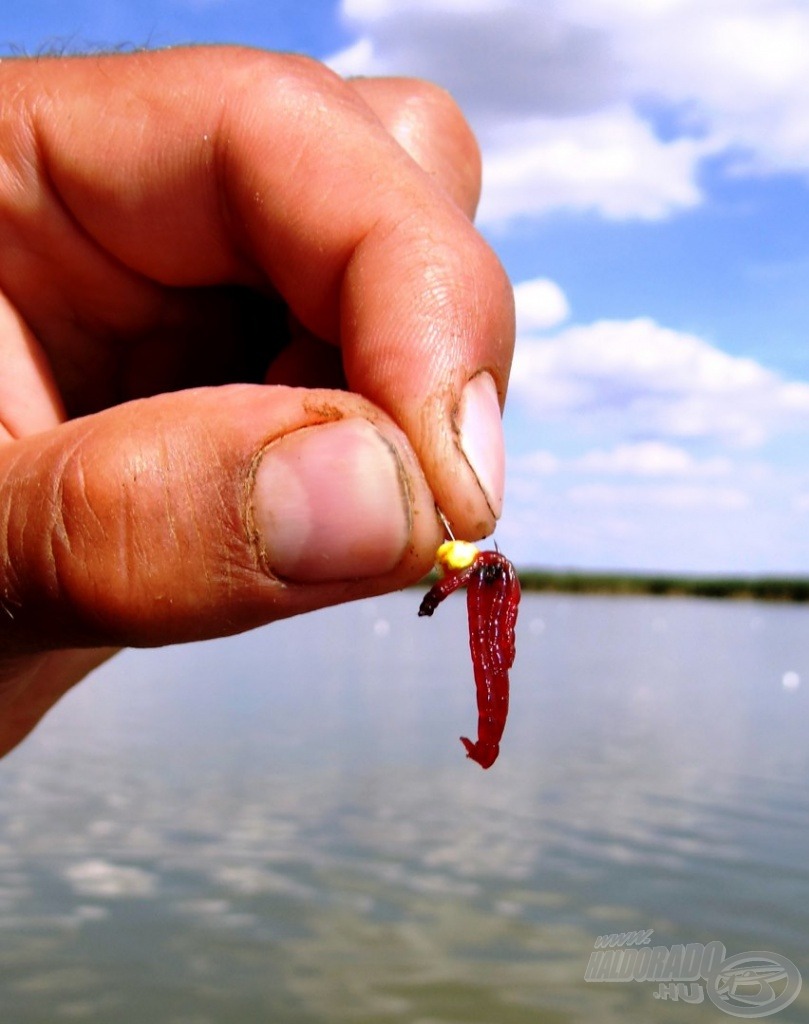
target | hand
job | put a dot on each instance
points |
(171, 221)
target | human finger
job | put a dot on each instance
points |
(238, 165)
(205, 513)
(429, 126)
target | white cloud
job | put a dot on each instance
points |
(654, 525)
(499, 57)
(645, 459)
(535, 463)
(650, 459)
(609, 161)
(669, 485)
(742, 73)
(667, 496)
(540, 304)
(648, 381)
(565, 98)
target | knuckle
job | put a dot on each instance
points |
(437, 104)
(252, 76)
(65, 573)
(53, 540)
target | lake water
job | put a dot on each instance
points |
(283, 827)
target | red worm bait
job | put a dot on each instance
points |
(492, 601)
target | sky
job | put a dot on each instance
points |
(646, 185)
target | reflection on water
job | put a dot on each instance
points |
(283, 827)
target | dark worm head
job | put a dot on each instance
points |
(484, 753)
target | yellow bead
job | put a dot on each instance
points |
(456, 554)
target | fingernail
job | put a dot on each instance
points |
(481, 434)
(330, 502)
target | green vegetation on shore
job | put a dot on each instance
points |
(754, 588)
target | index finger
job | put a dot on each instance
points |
(237, 165)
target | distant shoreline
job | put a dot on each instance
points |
(747, 588)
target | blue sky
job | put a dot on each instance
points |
(646, 172)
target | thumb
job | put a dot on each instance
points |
(205, 513)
